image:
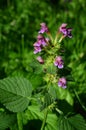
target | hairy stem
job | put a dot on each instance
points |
(45, 118)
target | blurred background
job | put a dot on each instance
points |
(19, 24)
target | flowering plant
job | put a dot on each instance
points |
(49, 53)
(49, 50)
(50, 103)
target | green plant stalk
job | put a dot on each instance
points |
(19, 121)
(22, 52)
(59, 111)
(79, 100)
(45, 118)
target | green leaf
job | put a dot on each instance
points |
(78, 122)
(36, 80)
(33, 112)
(6, 120)
(73, 123)
(64, 124)
(36, 66)
(14, 93)
(47, 101)
(60, 93)
(53, 92)
(51, 69)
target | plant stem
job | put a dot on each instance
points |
(61, 38)
(59, 111)
(45, 118)
(22, 37)
(79, 100)
(55, 41)
(50, 36)
(30, 98)
(19, 121)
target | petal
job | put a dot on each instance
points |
(64, 87)
(59, 84)
(55, 63)
(60, 66)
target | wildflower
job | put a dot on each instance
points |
(68, 32)
(63, 28)
(37, 49)
(65, 31)
(41, 61)
(62, 82)
(44, 28)
(59, 62)
(37, 44)
(41, 40)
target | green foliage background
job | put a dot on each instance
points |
(19, 23)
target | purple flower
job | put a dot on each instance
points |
(59, 62)
(44, 28)
(41, 61)
(63, 27)
(62, 82)
(41, 40)
(65, 31)
(37, 44)
(37, 49)
(68, 32)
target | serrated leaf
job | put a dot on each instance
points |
(14, 93)
(52, 122)
(64, 124)
(6, 120)
(78, 122)
(73, 123)
(33, 112)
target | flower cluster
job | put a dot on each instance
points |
(50, 48)
(41, 42)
